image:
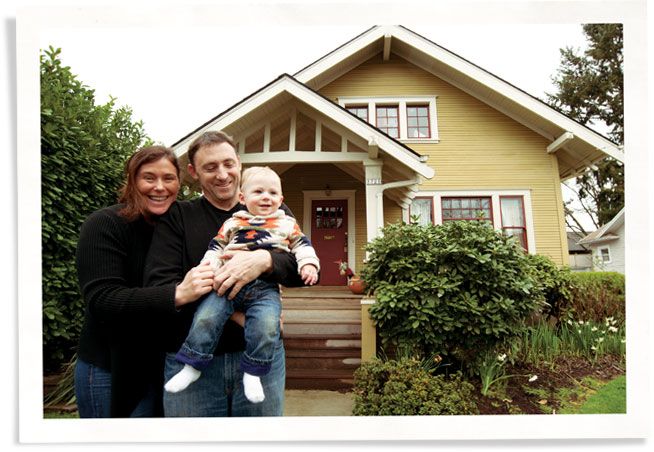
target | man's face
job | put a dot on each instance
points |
(218, 169)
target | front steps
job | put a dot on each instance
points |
(322, 337)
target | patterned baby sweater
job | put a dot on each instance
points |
(244, 231)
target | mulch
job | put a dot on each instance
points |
(565, 373)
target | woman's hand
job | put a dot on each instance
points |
(197, 282)
(240, 268)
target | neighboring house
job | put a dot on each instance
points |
(580, 256)
(390, 125)
(607, 245)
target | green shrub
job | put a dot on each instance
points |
(407, 387)
(456, 289)
(597, 296)
(555, 285)
(83, 149)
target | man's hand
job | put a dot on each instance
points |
(309, 274)
(240, 268)
(197, 282)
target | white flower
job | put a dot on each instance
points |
(501, 357)
(569, 322)
(624, 341)
(594, 329)
(533, 378)
(613, 329)
(581, 322)
(593, 348)
(600, 339)
(579, 331)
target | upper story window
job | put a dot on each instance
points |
(411, 119)
(359, 110)
(388, 120)
(417, 118)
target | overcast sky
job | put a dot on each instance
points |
(177, 79)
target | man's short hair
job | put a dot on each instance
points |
(207, 139)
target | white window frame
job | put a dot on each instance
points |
(402, 103)
(495, 202)
(599, 254)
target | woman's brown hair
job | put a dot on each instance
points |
(129, 194)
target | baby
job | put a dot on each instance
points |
(262, 226)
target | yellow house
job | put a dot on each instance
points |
(388, 126)
(391, 125)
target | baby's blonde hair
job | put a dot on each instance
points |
(249, 173)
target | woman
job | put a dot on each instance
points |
(124, 321)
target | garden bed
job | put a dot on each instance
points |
(559, 388)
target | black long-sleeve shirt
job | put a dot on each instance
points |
(122, 330)
(180, 240)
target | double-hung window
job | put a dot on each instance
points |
(411, 119)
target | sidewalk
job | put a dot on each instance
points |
(317, 403)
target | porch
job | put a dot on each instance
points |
(327, 333)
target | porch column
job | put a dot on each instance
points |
(374, 198)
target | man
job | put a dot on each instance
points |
(179, 243)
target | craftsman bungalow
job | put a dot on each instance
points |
(387, 126)
(391, 125)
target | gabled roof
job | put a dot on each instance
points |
(577, 146)
(573, 243)
(284, 86)
(605, 233)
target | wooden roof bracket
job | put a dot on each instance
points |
(560, 142)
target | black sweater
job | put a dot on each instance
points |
(121, 317)
(179, 242)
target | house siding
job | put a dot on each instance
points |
(479, 148)
(617, 250)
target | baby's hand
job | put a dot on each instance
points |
(309, 274)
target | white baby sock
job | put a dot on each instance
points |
(182, 379)
(253, 389)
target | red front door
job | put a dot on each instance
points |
(329, 238)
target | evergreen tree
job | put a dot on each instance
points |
(590, 90)
(83, 150)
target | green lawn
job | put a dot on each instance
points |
(610, 398)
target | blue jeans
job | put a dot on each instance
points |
(260, 301)
(93, 393)
(219, 391)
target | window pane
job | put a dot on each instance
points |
(412, 122)
(411, 111)
(422, 207)
(512, 214)
(519, 234)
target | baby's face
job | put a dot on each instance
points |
(262, 195)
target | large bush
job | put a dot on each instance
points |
(83, 149)
(598, 295)
(555, 284)
(456, 289)
(407, 387)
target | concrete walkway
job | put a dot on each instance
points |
(317, 403)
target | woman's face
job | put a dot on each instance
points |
(158, 184)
